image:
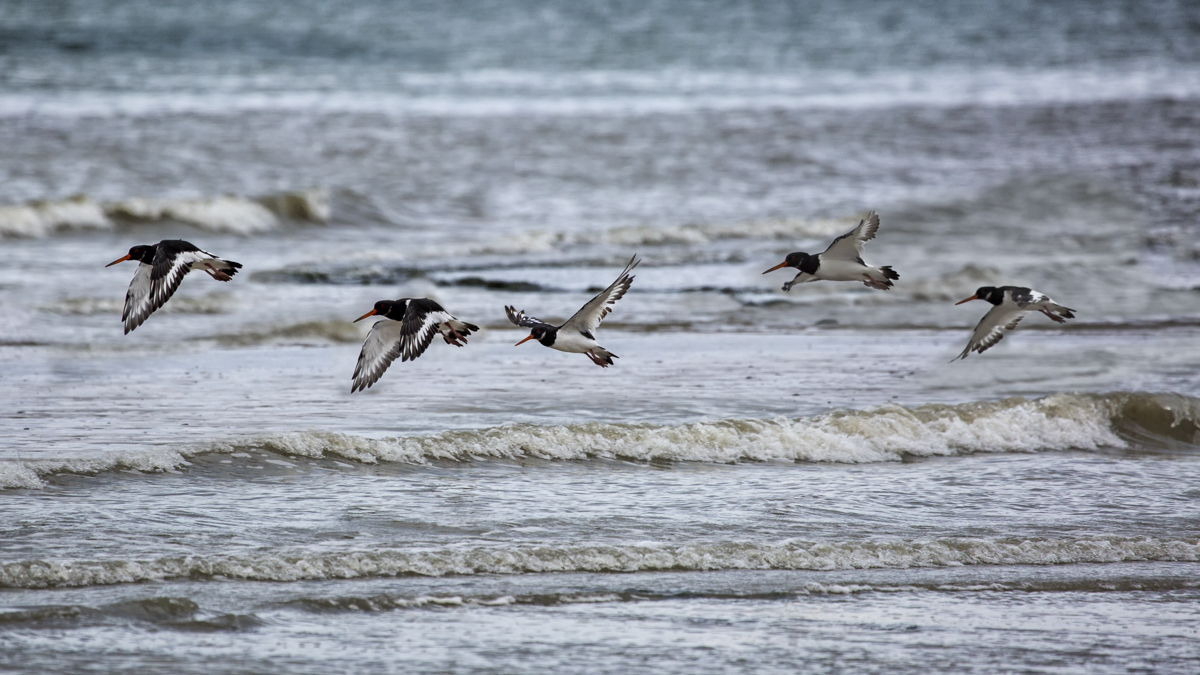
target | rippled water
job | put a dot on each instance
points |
(765, 481)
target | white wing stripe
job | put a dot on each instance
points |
(381, 347)
(588, 318)
(849, 246)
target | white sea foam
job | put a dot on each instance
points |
(236, 215)
(501, 92)
(955, 285)
(43, 218)
(882, 434)
(886, 433)
(222, 214)
(538, 241)
(792, 555)
(215, 303)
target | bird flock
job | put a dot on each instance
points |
(408, 325)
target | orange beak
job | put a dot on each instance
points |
(973, 297)
(118, 260)
(782, 264)
(370, 313)
(524, 341)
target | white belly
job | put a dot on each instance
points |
(841, 270)
(573, 342)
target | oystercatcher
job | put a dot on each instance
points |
(161, 268)
(842, 261)
(1012, 303)
(406, 330)
(577, 334)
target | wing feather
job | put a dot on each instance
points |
(138, 304)
(382, 346)
(519, 318)
(420, 324)
(588, 318)
(990, 329)
(849, 246)
(169, 269)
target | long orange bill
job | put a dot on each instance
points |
(119, 260)
(370, 313)
(782, 264)
(524, 341)
(973, 297)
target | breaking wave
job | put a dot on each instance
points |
(790, 555)
(386, 602)
(537, 241)
(309, 331)
(882, 434)
(229, 214)
(215, 303)
(175, 613)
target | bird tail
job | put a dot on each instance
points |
(225, 269)
(1058, 313)
(872, 278)
(459, 330)
(602, 357)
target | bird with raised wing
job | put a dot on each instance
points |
(1011, 304)
(161, 268)
(842, 261)
(407, 329)
(578, 334)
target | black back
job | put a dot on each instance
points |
(424, 306)
(995, 295)
(396, 309)
(164, 257)
(173, 247)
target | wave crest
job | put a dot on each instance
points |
(540, 241)
(883, 434)
(235, 215)
(792, 555)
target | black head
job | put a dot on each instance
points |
(987, 293)
(544, 334)
(389, 309)
(140, 253)
(797, 260)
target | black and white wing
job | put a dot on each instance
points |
(382, 346)
(991, 327)
(588, 318)
(170, 267)
(421, 319)
(1024, 297)
(138, 304)
(849, 246)
(521, 319)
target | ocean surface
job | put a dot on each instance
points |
(764, 482)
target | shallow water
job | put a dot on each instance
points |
(763, 482)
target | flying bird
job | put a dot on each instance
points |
(161, 268)
(578, 334)
(1012, 303)
(842, 261)
(407, 329)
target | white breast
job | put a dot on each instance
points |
(573, 342)
(840, 270)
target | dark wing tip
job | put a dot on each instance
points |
(514, 315)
